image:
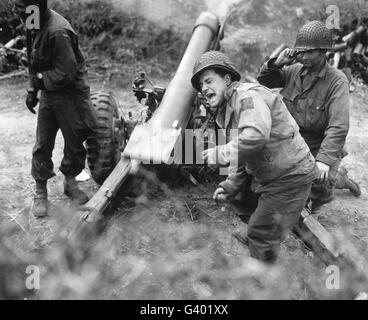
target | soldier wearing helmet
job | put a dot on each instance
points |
(267, 154)
(317, 96)
(58, 75)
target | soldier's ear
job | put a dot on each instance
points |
(227, 79)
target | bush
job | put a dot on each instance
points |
(108, 32)
(10, 24)
(99, 23)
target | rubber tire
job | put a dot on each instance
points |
(102, 153)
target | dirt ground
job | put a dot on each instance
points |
(171, 242)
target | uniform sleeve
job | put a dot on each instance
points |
(338, 124)
(235, 181)
(272, 76)
(253, 133)
(64, 67)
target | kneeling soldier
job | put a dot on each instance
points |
(317, 96)
(268, 147)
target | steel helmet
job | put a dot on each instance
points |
(213, 59)
(313, 35)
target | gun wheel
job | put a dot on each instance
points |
(105, 147)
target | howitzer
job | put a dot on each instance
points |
(153, 96)
(354, 35)
(358, 51)
(156, 140)
(351, 51)
(340, 46)
(150, 141)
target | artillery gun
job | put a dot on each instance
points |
(121, 145)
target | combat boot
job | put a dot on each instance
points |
(353, 187)
(344, 182)
(40, 199)
(72, 191)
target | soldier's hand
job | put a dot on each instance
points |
(31, 100)
(220, 195)
(324, 170)
(287, 56)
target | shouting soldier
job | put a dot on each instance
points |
(58, 72)
(268, 147)
(317, 96)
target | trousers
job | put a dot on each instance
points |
(272, 213)
(59, 111)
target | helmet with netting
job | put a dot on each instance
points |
(216, 60)
(313, 35)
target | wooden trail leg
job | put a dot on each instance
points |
(92, 215)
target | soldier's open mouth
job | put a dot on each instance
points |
(210, 96)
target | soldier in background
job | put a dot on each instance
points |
(317, 96)
(57, 70)
(268, 149)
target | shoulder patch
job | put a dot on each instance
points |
(247, 104)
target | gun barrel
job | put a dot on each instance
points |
(340, 46)
(352, 36)
(176, 103)
(156, 140)
(358, 50)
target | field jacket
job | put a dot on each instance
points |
(267, 143)
(319, 105)
(57, 56)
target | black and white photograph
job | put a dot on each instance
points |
(183, 155)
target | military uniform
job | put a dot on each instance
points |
(266, 153)
(320, 105)
(65, 102)
(269, 148)
(57, 69)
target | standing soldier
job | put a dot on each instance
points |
(57, 69)
(317, 96)
(268, 146)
